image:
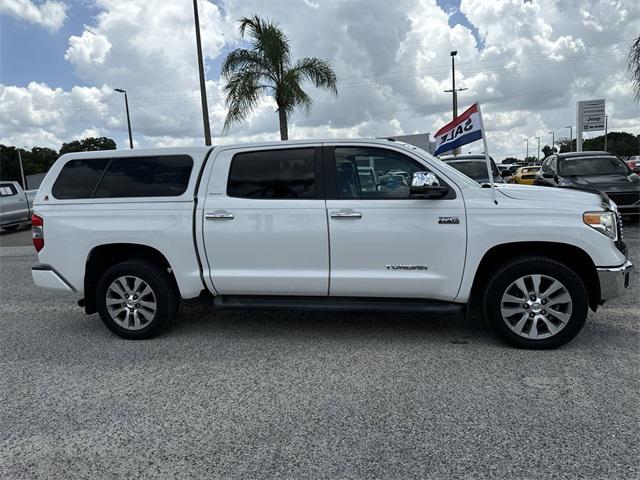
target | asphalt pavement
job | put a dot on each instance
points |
(297, 395)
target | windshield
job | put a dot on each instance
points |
(592, 166)
(473, 168)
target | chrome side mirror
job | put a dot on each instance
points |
(427, 185)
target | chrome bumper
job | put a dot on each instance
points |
(614, 280)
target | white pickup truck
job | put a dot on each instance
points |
(289, 225)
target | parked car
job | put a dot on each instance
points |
(15, 205)
(634, 163)
(600, 171)
(287, 225)
(525, 175)
(474, 167)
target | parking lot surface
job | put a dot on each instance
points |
(299, 395)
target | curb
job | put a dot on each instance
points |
(17, 251)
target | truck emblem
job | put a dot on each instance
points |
(448, 220)
(407, 267)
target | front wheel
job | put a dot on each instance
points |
(536, 302)
(137, 299)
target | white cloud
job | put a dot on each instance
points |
(392, 61)
(50, 14)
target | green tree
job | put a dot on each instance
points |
(267, 69)
(509, 160)
(88, 144)
(619, 143)
(37, 160)
(634, 66)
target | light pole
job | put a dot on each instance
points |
(538, 157)
(454, 90)
(570, 127)
(203, 87)
(527, 140)
(553, 142)
(606, 124)
(126, 106)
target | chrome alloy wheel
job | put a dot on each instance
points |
(536, 306)
(131, 302)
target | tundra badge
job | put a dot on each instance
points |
(448, 220)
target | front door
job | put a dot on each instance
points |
(383, 243)
(265, 223)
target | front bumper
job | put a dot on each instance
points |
(614, 280)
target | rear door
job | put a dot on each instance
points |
(265, 223)
(383, 243)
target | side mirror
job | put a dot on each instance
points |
(427, 185)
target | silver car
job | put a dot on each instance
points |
(15, 205)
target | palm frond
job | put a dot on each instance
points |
(317, 71)
(268, 40)
(243, 91)
(290, 95)
(242, 59)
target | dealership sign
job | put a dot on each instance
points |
(591, 115)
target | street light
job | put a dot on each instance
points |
(606, 125)
(455, 91)
(570, 127)
(126, 106)
(538, 157)
(525, 158)
(553, 142)
(203, 87)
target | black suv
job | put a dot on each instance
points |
(600, 171)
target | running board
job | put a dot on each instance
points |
(361, 304)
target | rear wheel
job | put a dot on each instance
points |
(536, 302)
(137, 299)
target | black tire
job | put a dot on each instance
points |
(165, 295)
(502, 280)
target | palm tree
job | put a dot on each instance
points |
(267, 68)
(634, 66)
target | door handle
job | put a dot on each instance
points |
(219, 215)
(345, 214)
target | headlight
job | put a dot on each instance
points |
(604, 222)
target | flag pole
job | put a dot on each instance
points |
(487, 158)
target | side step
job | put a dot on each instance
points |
(361, 304)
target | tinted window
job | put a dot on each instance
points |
(593, 166)
(6, 190)
(391, 172)
(161, 176)
(273, 174)
(78, 178)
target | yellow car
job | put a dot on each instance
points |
(525, 175)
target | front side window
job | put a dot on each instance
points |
(373, 173)
(273, 174)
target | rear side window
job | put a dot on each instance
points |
(78, 178)
(273, 174)
(7, 190)
(165, 176)
(159, 176)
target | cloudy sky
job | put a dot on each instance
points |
(527, 62)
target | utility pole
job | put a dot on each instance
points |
(553, 142)
(538, 157)
(203, 87)
(570, 127)
(454, 90)
(527, 140)
(24, 182)
(126, 106)
(606, 122)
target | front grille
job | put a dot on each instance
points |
(624, 198)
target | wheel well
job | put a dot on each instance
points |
(103, 257)
(571, 256)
